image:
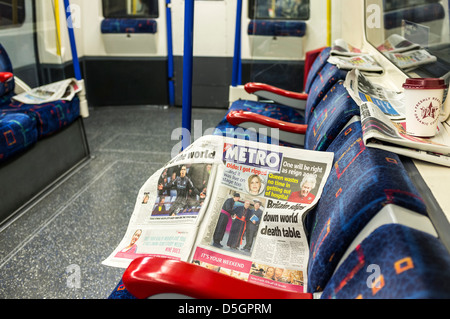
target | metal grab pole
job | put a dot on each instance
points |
(73, 45)
(187, 71)
(84, 111)
(237, 66)
(170, 71)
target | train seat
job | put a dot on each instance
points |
(269, 110)
(123, 25)
(276, 28)
(393, 262)
(17, 133)
(362, 181)
(49, 117)
(326, 121)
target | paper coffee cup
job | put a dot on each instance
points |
(423, 101)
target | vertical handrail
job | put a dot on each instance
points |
(84, 111)
(187, 71)
(73, 46)
(237, 63)
(170, 67)
(329, 23)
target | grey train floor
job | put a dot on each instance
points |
(73, 228)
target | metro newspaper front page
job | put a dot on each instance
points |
(233, 206)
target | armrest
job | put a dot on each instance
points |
(284, 97)
(5, 76)
(284, 131)
(148, 276)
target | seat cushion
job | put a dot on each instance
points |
(393, 262)
(17, 133)
(123, 25)
(323, 82)
(317, 65)
(329, 117)
(275, 111)
(50, 117)
(362, 181)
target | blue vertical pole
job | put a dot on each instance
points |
(237, 65)
(170, 71)
(187, 70)
(73, 45)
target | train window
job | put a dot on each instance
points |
(12, 13)
(413, 34)
(130, 8)
(279, 9)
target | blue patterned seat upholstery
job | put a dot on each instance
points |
(362, 181)
(323, 82)
(275, 111)
(329, 117)
(123, 25)
(17, 133)
(50, 117)
(316, 67)
(19, 120)
(277, 28)
(418, 14)
(393, 262)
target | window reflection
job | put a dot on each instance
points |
(279, 9)
(12, 13)
(414, 35)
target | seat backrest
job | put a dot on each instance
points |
(6, 66)
(311, 71)
(323, 82)
(393, 262)
(329, 117)
(362, 181)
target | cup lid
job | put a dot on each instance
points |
(424, 83)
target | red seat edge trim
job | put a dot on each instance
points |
(238, 117)
(253, 87)
(149, 276)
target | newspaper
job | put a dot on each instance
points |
(61, 90)
(410, 59)
(361, 89)
(396, 43)
(342, 48)
(383, 129)
(347, 57)
(240, 212)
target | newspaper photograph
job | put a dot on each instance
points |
(238, 210)
(61, 90)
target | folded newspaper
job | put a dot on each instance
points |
(384, 127)
(61, 90)
(348, 57)
(342, 48)
(396, 43)
(230, 205)
(410, 59)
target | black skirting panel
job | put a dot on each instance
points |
(27, 175)
(287, 75)
(126, 81)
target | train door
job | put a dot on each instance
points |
(122, 47)
(275, 36)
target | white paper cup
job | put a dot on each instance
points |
(423, 101)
